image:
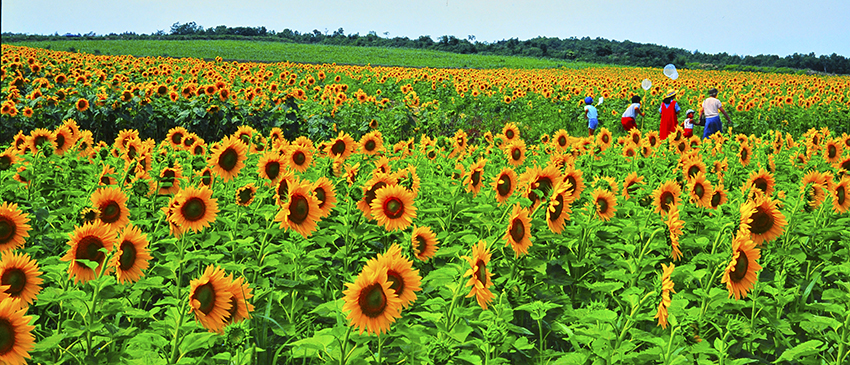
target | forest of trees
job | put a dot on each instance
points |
(597, 50)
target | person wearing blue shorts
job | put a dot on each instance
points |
(711, 109)
(591, 115)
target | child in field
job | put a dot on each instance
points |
(591, 115)
(669, 114)
(688, 123)
(628, 119)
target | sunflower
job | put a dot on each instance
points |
(404, 281)
(206, 177)
(504, 184)
(832, 151)
(561, 140)
(13, 227)
(763, 219)
(63, 138)
(194, 209)
(540, 182)
(8, 158)
(693, 167)
(740, 274)
(270, 166)
(169, 180)
(652, 139)
(674, 231)
(300, 211)
(518, 231)
(82, 105)
(175, 137)
(515, 150)
(840, 203)
(424, 243)
(666, 196)
(131, 255)
(718, 197)
(38, 137)
(813, 190)
(604, 139)
(630, 185)
(372, 143)
(112, 204)
(298, 157)
(409, 179)
(324, 192)
(473, 179)
(510, 131)
(393, 207)
(480, 276)
(843, 166)
(573, 176)
(559, 208)
(371, 301)
(605, 203)
(86, 243)
(761, 180)
(699, 191)
(341, 147)
(666, 289)
(245, 195)
(228, 158)
(16, 338)
(240, 308)
(19, 273)
(745, 154)
(209, 298)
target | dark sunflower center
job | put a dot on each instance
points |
(228, 159)
(7, 336)
(245, 195)
(606, 138)
(516, 153)
(205, 294)
(272, 169)
(128, 255)
(194, 209)
(206, 178)
(504, 185)
(666, 199)
(176, 138)
(421, 244)
(572, 181)
(338, 147)
(603, 205)
(370, 145)
(699, 190)
(370, 195)
(481, 272)
(630, 152)
(5, 162)
(299, 158)
(715, 199)
(517, 230)
(635, 138)
(762, 221)
(693, 171)
(372, 300)
(394, 208)
(168, 176)
(104, 180)
(282, 189)
(432, 155)
(7, 229)
(652, 140)
(60, 141)
(396, 281)
(198, 150)
(840, 193)
(761, 184)
(299, 208)
(744, 154)
(89, 249)
(682, 147)
(510, 134)
(476, 178)
(111, 212)
(559, 207)
(741, 267)
(831, 150)
(562, 141)
(188, 141)
(320, 195)
(16, 279)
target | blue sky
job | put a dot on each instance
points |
(780, 27)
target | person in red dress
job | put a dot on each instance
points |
(669, 114)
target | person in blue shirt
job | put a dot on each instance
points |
(591, 115)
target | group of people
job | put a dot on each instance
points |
(669, 110)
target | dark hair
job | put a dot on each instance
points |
(668, 100)
(636, 99)
(712, 92)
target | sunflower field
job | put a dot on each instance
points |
(180, 211)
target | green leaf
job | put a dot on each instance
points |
(195, 341)
(807, 348)
(49, 343)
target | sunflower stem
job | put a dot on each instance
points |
(175, 354)
(670, 344)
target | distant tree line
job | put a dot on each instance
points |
(597, 50)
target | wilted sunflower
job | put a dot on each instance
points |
(194, 209)
(13, 227)
(16, 338)
(112, 204)
(515, 151)
(228, 158)
(518, 231)
(372, 143)
(740, 274)
(298, 157)
(505, 184)
(763, 219)
(674, 231)
(761, 180)
(699, 191)
(393, 207)
(245, 195)
(131, 255)
(666, 289)
(604, 203)
(424, 243)
(559, 208)
(20, 275)
(300, 211)
(479, 274)
(840, 203)
(403, 279)
(86, 243)
(209, 298)
(341, 147)
(666, 196)
(631, 184)
(473, 179)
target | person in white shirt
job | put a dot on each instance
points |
(711, 109)
(628, 119)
